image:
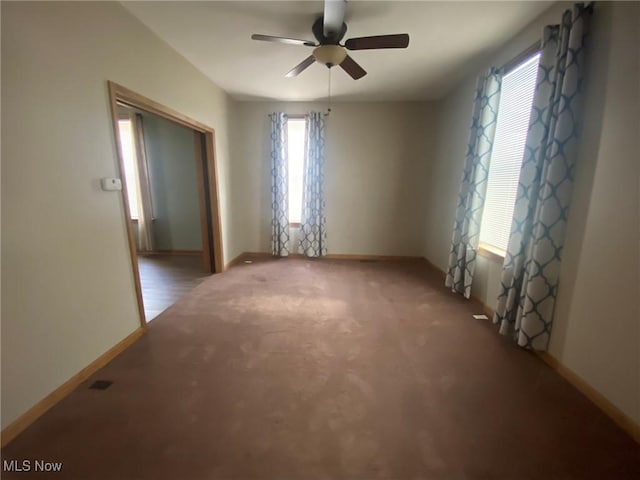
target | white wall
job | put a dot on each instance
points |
(375, 171)
(67, 285)
(596, 330)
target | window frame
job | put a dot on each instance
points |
(486, 249)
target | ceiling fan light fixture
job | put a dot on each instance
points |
(330, 55)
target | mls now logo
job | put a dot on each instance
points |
(28, 465)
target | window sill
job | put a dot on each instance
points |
(294, 224)
(491, 252)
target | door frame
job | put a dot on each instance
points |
(207, 175)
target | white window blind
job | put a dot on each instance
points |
(514, 109)
(295, 137)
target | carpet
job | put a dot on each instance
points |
(326, 369)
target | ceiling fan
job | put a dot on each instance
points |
(329, 30)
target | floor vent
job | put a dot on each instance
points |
(100, 384)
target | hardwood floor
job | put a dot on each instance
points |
(166, 278)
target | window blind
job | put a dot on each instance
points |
(296, 141)
(514, 109)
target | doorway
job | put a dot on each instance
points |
(168, 170)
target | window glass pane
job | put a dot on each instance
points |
(516, 99)
(296, 133)
(125, 128)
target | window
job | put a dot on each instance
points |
(125, 128)
(514, 109)
(296, 128)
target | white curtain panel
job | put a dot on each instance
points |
(145, 210)
(279, 186)
(529, 282)
(313, 242)
(466, 228)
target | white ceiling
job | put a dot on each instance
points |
(445, 38)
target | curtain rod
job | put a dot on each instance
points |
(522, 56)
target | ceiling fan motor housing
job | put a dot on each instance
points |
(332, 39)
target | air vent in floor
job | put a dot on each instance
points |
(101, 384)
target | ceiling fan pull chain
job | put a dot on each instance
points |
(329, 102)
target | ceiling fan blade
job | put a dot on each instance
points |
(288, 41)
(400, 40)
(333, 16)
(350, 66)
(298, 69)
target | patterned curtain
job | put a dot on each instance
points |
(466, 228)
(532, 262)
(279, 186)
(313, 241)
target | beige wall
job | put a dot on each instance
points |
(596, 331)
(374, 174)
(67, 285)
(597, 328)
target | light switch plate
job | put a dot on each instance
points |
(110, 184)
